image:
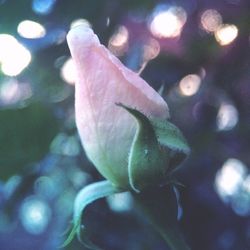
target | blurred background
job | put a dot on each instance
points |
(197, 52)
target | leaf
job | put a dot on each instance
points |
(147, 161)
(85, 197)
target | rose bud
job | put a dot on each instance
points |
(124, 130)
(107, 130)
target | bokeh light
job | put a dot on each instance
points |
(9, 91)
(68, 71)
(79, 178)
(12, 91)
(14, 57)
(30, 29)
(35, 215)
(241, 203)
(229, 178)
(227, 117)
(43, 7)
(246, 184)
(118, 43)
(190, 84)
(121, 202)
(11, 185)
(151, 49)
(44, 186)
(211, 20)
(65, 145)
(226, 34)
(168, 22)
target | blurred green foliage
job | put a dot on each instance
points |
(25, 135)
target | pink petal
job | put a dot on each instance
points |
(107, 130)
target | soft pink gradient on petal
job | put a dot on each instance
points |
(107, 130)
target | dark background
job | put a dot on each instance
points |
(42, 164)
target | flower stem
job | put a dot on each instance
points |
(160, 207)
(173, 238)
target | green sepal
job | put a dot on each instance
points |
(171, 137)
(86, 196)
(147, 159)
(159, 205)
(158, 148)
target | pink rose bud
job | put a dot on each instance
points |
(106, 129)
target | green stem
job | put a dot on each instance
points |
(160, 207)
(173, 238)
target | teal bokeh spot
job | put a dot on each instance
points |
(43, 6)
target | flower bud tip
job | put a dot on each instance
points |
(81, 35)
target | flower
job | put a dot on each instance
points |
(107, 130)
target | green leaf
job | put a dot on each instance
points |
(85, 197)
(160, 206)
(147, 160)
